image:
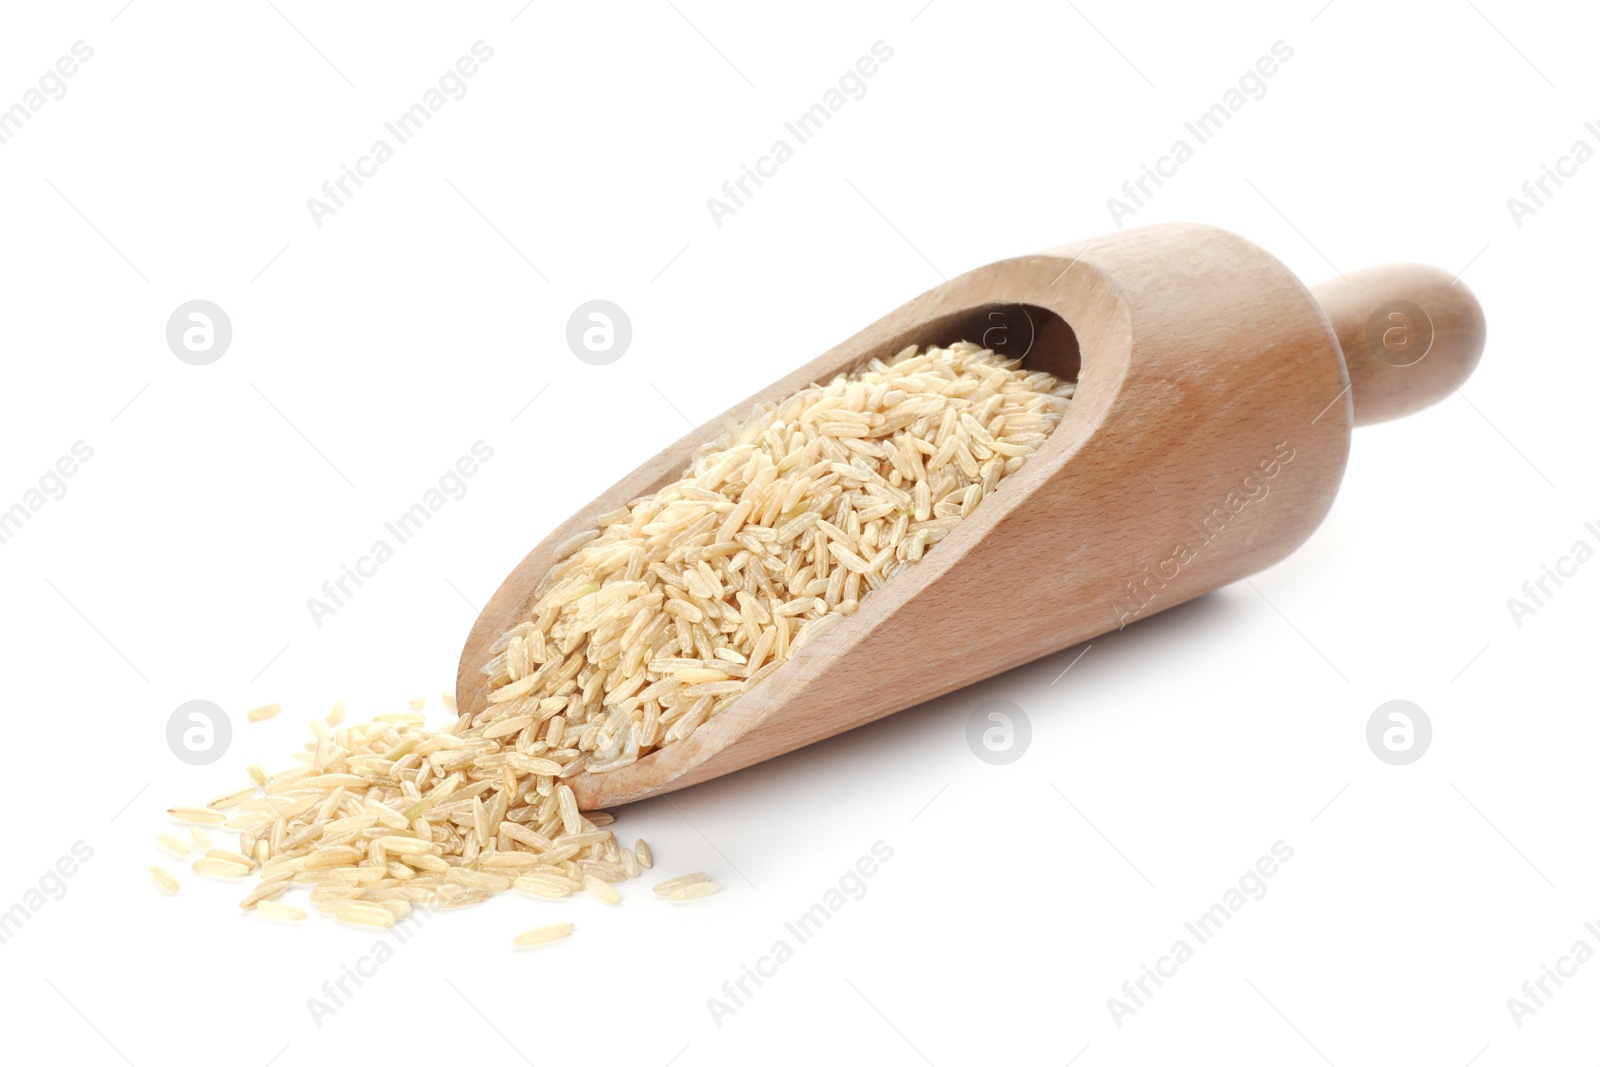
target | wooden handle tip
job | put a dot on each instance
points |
(1411, 334)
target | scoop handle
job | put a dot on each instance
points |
(1410, 333)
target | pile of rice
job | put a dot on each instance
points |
(649, 626)
(380, 817)
(677, 604)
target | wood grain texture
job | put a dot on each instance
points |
(1206, 441)
(1402, 358)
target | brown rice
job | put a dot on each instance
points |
(265, 711)
(378, 817)
(651, 625)
(677, 604)
(540, 935)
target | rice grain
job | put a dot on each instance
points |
(214, 868)
(204, 816)
(672, 885)
(601, 889)
(363, 915)
(541, 935)
(696, 890)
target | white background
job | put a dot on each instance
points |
(425, 314)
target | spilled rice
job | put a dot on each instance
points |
(379, 818)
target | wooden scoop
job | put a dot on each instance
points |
(1209, 432)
